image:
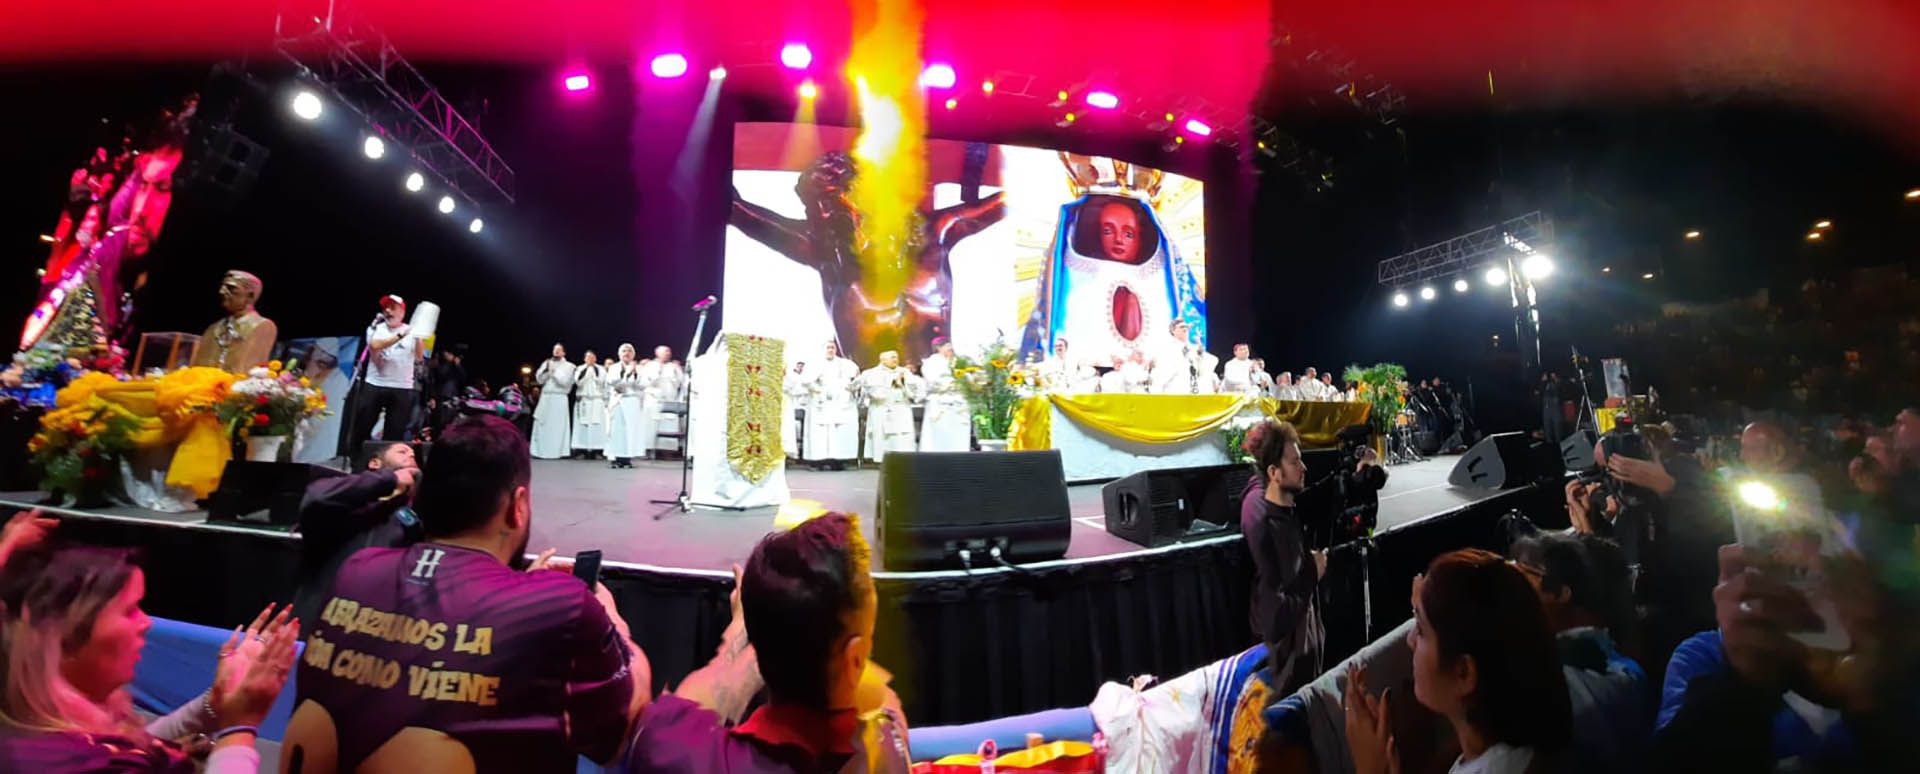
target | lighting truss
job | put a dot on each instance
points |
(1469, 251)
(360, 67)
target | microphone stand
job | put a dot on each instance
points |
(684, 501)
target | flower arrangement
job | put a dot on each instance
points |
(1234, 437)
(270, 401)
(1380, 386)
(992, 385)
(79, 447)
(37, 372)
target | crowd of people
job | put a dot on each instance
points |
(1752, 618)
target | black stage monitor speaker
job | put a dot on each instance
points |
(1505, 461)
(1157, 507)
(932, 505)
(1576, 451)
(265, 494)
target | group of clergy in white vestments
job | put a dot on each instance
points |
(616, 407)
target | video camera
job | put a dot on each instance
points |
(1356, 488)
(1625, 441)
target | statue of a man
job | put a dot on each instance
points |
(243, 339)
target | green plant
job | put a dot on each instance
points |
(1380, 386)
(78, 449)
(1234, 436)
(991, 385)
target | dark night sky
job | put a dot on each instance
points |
(593, 257)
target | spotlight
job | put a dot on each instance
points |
(306, 105)
(1693, 234)
(1399, 298)
(1647, 276)
(48, 238)
(952, 103)
(808, 90)
(1823, 225)
(374, 147)
(1606, 270)
(1427, 293)
(578, 82)
(1460, 285)
(669, 66)
(1198, 127)
(717, 74)
(446, 205)
(415, 182)
(986, 87)
(1813, 236)
(1496, 276)
(796, 56)
(1105, 100)
(1913, 194)
(475, 225)
(938, 76)
(1758, 495)
(1536, 266)
(1066, 120)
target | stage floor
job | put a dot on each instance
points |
(581, 505)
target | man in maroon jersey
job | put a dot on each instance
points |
(450, 655)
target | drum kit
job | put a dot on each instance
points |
(1400, 446)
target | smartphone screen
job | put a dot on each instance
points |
(1788, 532)
(586, 566)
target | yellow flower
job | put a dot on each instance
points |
(304, 382)
(274, 366)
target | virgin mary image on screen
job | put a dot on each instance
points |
(1115, 281)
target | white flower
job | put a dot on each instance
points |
(259, 372)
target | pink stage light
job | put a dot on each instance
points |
(669, 66)
(796, 56)
(938, 76)
(1198, 127)
(578, 82)
(1105, 100)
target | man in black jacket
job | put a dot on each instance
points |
(344, 514)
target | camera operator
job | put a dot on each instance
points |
(1658, 504)
(1357, 486)
(343, 514)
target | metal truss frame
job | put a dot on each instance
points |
(1468, 251)
(359, 65)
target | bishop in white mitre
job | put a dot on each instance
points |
(551, 418)
(887, 390)
(948, 422)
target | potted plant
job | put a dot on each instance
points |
(1380, 387)
(266, 407)
(992, 384)
(78, 451)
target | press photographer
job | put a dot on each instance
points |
(1660, 505)
(1344, 505)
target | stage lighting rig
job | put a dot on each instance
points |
(354, 65)
(1510, 254)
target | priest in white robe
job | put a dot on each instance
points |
(833, 419)
(885, 388)
(1183, 368)
(1237, 375)
(551, 415)
(1066, 373)
(1262, 381)
(795, 393)
(1310, 385)
(664, 380)
(590, 405)
(1284, 388)
(947, 424)
(627, 433)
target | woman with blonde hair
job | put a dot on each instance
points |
(71, 631)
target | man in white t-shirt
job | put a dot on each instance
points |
(388, 385)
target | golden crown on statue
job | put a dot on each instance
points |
(1088, 174)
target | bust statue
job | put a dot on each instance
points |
(243, 339)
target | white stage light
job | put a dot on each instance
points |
(306, 105)
(1536, 266)
(374, 147)
(717, 73)
(1460, 285)
(415, 182)
(475, 226)
(1400, 298)
(1496, 276)
(446, 204)
(1427, 293)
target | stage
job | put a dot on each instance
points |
(964, 646)
(580, 505)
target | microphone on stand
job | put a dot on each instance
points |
(702, 304)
